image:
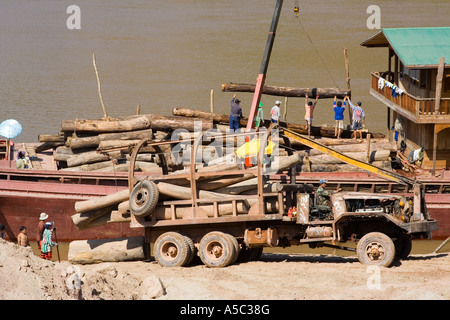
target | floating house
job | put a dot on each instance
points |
(416, 89)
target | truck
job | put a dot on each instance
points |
(222, 229)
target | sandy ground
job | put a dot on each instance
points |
(277, 276)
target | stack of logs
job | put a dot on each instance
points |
(91, 145)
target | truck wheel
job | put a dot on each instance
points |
(191, 251)
(235, 244)
(144, 198)
(403, 247)
(376, 248)
(172, 250)
(250, 254)
(216, 250)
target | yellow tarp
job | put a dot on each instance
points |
(251, 149)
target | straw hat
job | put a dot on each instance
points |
(43, 216)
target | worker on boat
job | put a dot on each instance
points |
(275, 113)
(309, 111)
(358, 119)
(235, 114)
(259, 120)
(339, 116)
(21, 162)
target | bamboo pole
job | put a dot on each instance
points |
(99, 86)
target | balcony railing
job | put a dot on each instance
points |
(421, 108)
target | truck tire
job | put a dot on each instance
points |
(192, 250)
(217, 250)
(403, 247)
(250, 254)
(236, 247)
(144, 198)
(172, 250)
(376, 248)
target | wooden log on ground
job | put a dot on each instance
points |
(329, 167)
(100, 202)
(324, 93)
(107, 124)
(106, 250)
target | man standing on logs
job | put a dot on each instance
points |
(339, 116)
(309, 110)
(235, 114)
(358, 119)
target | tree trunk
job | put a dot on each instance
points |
(92, 142)
(86, 158)
(107, 124)
(323, 93)
(162, 123)
(106, 250)
(100, 202)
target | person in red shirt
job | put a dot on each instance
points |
(40, 229)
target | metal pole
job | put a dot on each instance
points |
(264, 65)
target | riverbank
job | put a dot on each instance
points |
(277, 276)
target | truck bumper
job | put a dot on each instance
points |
(421, 226)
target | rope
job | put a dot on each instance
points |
(317, 52)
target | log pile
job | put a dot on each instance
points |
(106, 144)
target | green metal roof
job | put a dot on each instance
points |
(416, 47)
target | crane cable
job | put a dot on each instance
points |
(296, 11)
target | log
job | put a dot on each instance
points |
(380, 155)
(324, 93)
(93, 141)
(329, 167)
(107, 124)
(82, 220)
(162, 123)
(106, 250)
(100, 202)
(50, 138)
(86, 158)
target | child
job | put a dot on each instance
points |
(22, 238)
(47, 243)
(339, 116)
(309, 111)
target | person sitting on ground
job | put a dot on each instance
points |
(22, 238)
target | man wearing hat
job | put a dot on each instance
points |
(235, 113)
(275, 112)
(40, 229)
(322, 195)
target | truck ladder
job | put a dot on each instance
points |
(389, 175)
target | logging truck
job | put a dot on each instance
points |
(221, 228)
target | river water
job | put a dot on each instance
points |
(164, 54)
